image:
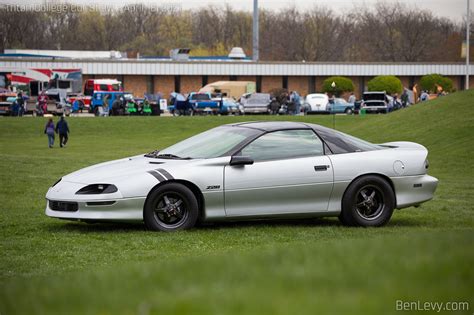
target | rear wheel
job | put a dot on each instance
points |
(369, 201)
(171, 207)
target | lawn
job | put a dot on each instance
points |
(316, 266)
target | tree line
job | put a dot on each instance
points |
(383, 33)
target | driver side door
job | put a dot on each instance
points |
(290, 174)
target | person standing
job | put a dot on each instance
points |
(21, 104)
(404, 98)
(49, 131)
(63, 130)
(296, 100)
(352, 98)
(43, 103)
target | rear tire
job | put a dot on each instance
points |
(171, 207)
(369, 201)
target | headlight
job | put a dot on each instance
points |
(427, 164)
(97, 189)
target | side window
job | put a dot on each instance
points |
(285, 144)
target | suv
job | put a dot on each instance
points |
(375, 102)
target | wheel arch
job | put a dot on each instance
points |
(193, 187)
(384, 177)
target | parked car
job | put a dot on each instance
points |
(250, 170)
(316, 103)
(6, 100)
(256, 103)
(340, 105)
(98, 98)
(375, 102)
(229, 106)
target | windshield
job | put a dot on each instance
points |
(209, 144)
(259, 99)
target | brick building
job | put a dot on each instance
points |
(141, 76)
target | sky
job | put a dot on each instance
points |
(453, 9)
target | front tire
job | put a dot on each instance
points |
(369, 201)
(171, 207)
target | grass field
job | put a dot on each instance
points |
(315, 266)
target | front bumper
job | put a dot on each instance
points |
(414, 190)
(92, 207)
(256, 110)
(127, 209)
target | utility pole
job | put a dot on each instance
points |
(468, 31)
(255, 30)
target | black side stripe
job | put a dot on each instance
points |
(157, 175)
(165, 174)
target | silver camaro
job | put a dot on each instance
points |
(250, 170)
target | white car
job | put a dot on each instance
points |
(250, 170)
(316, 103)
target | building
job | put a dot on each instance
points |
(165, 75)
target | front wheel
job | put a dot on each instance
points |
(369, 201)
(171, 207)
(348, 111)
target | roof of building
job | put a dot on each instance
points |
(232, 67)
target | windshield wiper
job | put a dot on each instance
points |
(152, 154)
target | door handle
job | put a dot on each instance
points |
(321, 168)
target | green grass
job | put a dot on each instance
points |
(315, 266)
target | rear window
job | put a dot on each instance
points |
(200, 97)
(339, 142)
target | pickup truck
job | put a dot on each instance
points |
(203, 103)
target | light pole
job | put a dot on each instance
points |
(333, 85)
(468, 31)
(255, 30)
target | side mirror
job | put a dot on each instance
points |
(240, 160)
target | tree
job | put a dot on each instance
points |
(341, 85)
(388, 83)
(431, 82)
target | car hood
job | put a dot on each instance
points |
(108, 172)
(373, 97)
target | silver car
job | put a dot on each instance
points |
(247, 171)
(256, 103)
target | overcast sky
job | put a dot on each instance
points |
(454, 9)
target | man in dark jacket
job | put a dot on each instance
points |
(62, 129)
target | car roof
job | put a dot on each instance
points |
(273, 125)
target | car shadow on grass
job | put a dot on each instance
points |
(118, 227)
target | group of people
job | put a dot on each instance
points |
(18, 107)
(287, 103)
(122, 106)
(61, 128)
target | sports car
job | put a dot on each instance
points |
(250, 170)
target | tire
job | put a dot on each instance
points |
(369, 201)
(348, 111)
(171, 207)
